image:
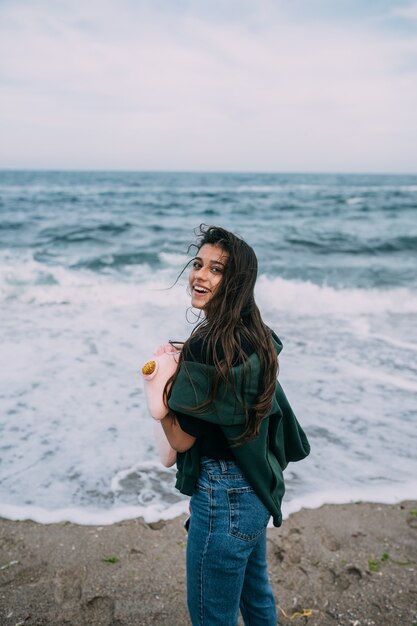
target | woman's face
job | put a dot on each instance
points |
(206, 274)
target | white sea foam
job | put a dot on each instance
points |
(386, 494)
(403, 345)
(87, 517)
(77, 442)
(307, 298)
(79, 317)
(32, 282)
(388, 380)
(383, 494)
(173, 259)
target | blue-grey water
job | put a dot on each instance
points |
(86, 259)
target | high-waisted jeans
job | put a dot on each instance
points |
(226, 551)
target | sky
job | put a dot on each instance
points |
(209, 85)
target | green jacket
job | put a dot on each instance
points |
(262, 460)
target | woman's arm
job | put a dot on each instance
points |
(178, 439)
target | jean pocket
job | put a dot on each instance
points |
(248, 515)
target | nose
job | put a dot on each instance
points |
(202, 273)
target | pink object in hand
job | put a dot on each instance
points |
(155, 374)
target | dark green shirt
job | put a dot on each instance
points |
(211, 440)
(263, 459)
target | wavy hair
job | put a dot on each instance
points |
(232, 319)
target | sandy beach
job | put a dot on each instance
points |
(347, 565)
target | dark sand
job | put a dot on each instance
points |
(347, 565)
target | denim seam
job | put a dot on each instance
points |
(246, 489)
(210, 492)
(227, 477)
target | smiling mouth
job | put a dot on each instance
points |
(200, 290)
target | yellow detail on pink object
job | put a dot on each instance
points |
(149, 368)
(156, 376)
(156, 373)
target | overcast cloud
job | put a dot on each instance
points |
(300, 85)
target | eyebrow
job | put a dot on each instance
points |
(212, 261)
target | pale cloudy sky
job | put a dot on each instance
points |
(253, 85)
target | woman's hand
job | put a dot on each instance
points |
(178, 439)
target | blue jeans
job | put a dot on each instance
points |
(226, 550)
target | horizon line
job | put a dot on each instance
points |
(209, 171)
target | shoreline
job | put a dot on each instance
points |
(377, 494)
(339, 564)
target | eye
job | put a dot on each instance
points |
(196, 265)
(216, 270)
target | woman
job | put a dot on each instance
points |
(234, 433)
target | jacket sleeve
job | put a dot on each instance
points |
(192, 387)
(283, 436)
(287, 439)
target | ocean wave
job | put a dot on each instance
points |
(146, 482)
(404, 243)
(387, 380)
(343, 244)
(31, 281)
(85, 295)
(88, 517)
(9, 225)
(118, 261)
(388, 493)
(310, 299)
(74, 233)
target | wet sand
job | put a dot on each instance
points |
(339, 565)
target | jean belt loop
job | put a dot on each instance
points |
(223, 466)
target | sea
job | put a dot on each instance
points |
(91, 282)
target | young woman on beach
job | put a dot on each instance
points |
(234, 433)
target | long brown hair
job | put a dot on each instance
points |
(231, 317)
